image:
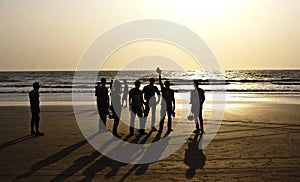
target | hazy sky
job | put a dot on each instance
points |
(52, 34)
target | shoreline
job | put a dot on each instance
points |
(21, 99)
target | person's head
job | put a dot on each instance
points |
(36, 85)
(116, 84)
(103, 81)
(137, 83)
(195, 83)
(151, 81)
(167, 84)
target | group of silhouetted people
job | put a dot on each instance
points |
(141, 101)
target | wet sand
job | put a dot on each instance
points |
(256, 142)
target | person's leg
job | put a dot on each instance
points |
(153, 118)
(32, 123)
(197, 124)
(125, 101)
(142, 121)
(103, 118)
(132, 118)
(147, 109)
(162, 119)
(37, 123)
(169, 120)
(115, 127)
(201, 120)
(122, 101)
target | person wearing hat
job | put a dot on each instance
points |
(136, 108)
(35, 109)
(167, 104)
(149, 95)
(197, 100)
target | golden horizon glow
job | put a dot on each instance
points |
(52, 35)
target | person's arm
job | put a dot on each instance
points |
(191, 97)
(143, 102)
(159, 78)
(107, 96)
(158, 95)
(160, 82)
(130, 98)
(173, 101)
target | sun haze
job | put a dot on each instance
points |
(52, 35)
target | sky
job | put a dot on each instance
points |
(53, 34)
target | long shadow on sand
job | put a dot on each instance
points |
(54, 158)
(105, 162)
(194, 157)
(141, 169)
(16, 141)
(91, 171)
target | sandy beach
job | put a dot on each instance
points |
(256, 142)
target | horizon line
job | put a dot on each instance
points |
(66, 70)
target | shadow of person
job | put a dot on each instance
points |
(101, 164)
(54, 158)
(155, 152)
(194, 157)
(105, 162)
(16, 141)
(79, 163)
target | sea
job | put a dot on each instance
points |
(239, 85)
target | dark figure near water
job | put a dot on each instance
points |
(197, 100)
(116, 92)
(102, 100)
(136, 108)
(125, 94)
(167, 104)
(149, 95)
(35, 109)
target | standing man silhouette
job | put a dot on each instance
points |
(34, 98)
(136, 108)
(149, 95)
(197, 100)
(167, 104)
(102, 101)
(116, 91)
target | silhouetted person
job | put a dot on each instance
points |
(116, 92)
(136, 107)
(125, 93)
(149, 95)
(102, 100)
(194, 156)
(197, 100)
(167, 104)
(35, 109)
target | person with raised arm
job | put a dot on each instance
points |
(167, 103)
